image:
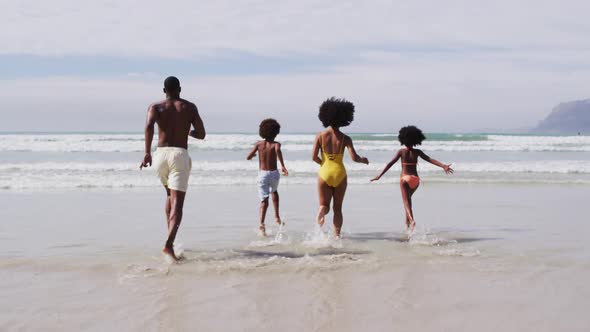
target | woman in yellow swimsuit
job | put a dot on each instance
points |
(410, 136)
(334, 113)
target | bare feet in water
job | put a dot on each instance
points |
(410, 228)
(337, 233)
(321, 216)
(279, 221)
(262, 230)
(169, 252)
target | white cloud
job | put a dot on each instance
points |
(187, 28)
(457, 93)
(447, 65)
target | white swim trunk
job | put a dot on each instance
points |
(268, 182)
(173, 166)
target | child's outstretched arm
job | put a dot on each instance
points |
(253, 152)
(280, 157)
(446, 168)
(316, 150)
(388, 166)
(353, 155)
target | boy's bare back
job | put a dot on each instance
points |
(267, 155)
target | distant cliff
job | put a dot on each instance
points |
(567, 118)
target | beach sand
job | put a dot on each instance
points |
(484, 258)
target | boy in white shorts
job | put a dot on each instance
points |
(268, 176)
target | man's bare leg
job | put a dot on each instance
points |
(176, 205)
(263, 208)
(168, 207)
(275, 204)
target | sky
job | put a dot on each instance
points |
(445, 66)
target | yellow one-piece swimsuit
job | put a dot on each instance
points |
(332, 169)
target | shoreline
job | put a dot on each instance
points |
(389, 181)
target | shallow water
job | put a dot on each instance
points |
(506, 256)
(45, 162)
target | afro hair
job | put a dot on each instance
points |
(269, 129)
(410, 136)
(335, 112)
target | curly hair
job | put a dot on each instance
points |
(269, 129)
(336, 112)
(410, 136)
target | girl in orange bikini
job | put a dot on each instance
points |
(332, 181)
(410, 136)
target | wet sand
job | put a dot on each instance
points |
(485, 258)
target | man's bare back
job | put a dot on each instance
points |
(174, 118)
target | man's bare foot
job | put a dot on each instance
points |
(262, 230)
(169, 252)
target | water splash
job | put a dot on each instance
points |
(280, 238)
(425, 237)
(134, 271)
(178, 250)
(320, 239)
(456, 252)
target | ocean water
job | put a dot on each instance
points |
(101, 160)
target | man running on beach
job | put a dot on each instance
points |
(174, 117)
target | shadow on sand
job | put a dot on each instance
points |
(211, 256)
(299, 254)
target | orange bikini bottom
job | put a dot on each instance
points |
(412, 180)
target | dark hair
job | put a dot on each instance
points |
(171, 84)
(336, 112)
(269, 129)
(410, 136)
